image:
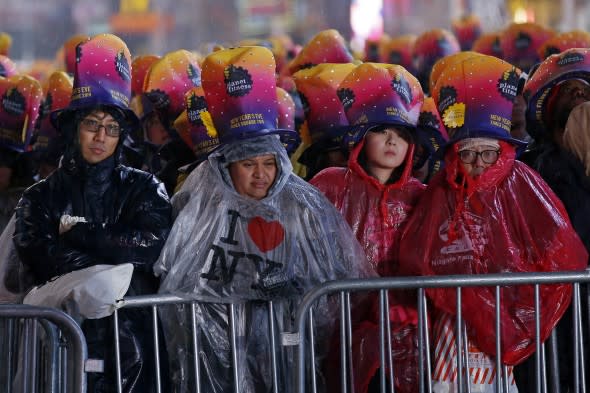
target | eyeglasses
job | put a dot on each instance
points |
(487, 156)
(91, 125)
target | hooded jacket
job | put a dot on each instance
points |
(128, 216)
(506, 220)
(377, 213)
(225, 247)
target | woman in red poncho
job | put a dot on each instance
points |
(487, 213)
(376, 194)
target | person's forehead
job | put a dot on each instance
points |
(575, 82)
(478, 144)
(261, 157)
(97, 113)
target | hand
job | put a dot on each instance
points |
(66, 222)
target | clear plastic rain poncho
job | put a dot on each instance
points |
(225, 247)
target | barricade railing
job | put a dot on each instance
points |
(301, 342)
(50, 359)
(345, 287)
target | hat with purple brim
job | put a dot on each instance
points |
(570, 64)
(195, 126)
(475, 97)
(376, 94)
(240, 89)
(20, 100)
(102, 78)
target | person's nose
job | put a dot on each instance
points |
(390, 139)
(101, 134)
(479, 161)
(257, 171)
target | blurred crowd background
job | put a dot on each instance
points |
(39, 28)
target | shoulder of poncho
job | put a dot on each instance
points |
(331, 178)
(329, 173)
(415, 185)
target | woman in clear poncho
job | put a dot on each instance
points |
(230, 247)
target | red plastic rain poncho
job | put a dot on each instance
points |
(508, 220)
(375, 95)
(377, 212)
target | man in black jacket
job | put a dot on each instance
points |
(92, 210)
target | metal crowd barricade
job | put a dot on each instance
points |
(154, 302)
(301, 342)
(384, 285)
(50, 359)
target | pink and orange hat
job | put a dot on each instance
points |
(570, 64)
(57, 96)
(194, 125)
(102, 77)
(20, 101)
(563, 41)
(520, 43)
(475, 96)
(318, 89)
(375, 94)
(240, 89)
(327, 46)
(168, 80)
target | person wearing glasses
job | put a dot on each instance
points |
(92, 210)
(485, 212)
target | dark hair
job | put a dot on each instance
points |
(405, 133)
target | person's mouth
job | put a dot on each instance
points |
(97, 150)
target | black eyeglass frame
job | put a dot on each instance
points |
(474, 154)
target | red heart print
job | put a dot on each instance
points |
(266, 235)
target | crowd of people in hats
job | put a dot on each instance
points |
(258, 171)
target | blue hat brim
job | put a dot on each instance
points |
(537, 128)
(520, 144)
(356, 133)
(62, 116)
(289, 138)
